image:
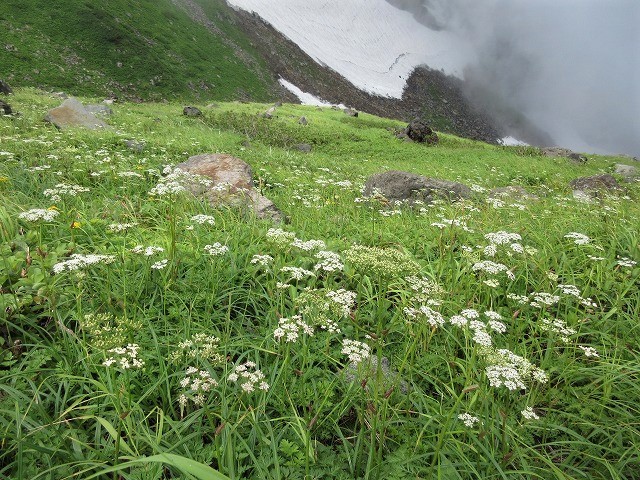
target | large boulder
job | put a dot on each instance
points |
(587, 188)
(73, 114)
(629, 173)
(419, 131)
(602, 181)
(191, 111)
(232, 184)
(399, 186)
(99, 109)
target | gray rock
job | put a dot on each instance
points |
(564, 152)
(397, 185)
(351, 112)
(5, 108)
(269, 113)
(628, 172)
(232, 184)
(73, 114)
(190, 111)
(99, 110)
(366, 374)
(5, 88)
(303, 147)
(135, 145)
(303, 121)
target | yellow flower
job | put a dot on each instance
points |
(52, 207)
(76, 224)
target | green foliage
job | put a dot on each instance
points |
(164, 362)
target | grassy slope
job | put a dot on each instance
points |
(76, 46)
(61, 410)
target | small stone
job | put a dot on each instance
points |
(303, 121)
(351, 112)
(5, 108)
(303, 147)
(5, 88)
(135, 145)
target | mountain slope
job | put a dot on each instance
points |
(148, 49)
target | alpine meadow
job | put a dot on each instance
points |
(150, 334)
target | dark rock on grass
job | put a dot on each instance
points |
(5, 88)
(585, 188)
(303, 121)
(399, 186)
(5, 108)
(351, 112)
(419, 131)
(232, 184)
(190, 111)
(73, 114)
(596, 182)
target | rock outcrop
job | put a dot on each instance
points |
(399, 186)
(564, 152)
(73, 114)
(232, 184)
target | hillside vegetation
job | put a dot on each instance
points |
(148, 335)
(148, 49)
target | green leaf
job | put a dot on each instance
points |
(192, 468)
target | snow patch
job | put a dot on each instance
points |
(304, 97)
(512, 142)
(369, 42)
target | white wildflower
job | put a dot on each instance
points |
(216, 249)
(355, 350)
(249, 377)
(262, 260)
(147, 251)
(201, 219)
(468, 419)
(529, 414)
(589, 351)
(160, 265)
(578, 238)
(78, 261)
(37, 214)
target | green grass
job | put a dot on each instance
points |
(134, 49)
(64, 414)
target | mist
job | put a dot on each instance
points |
(569, 67)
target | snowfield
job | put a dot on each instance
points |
(369, 42)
